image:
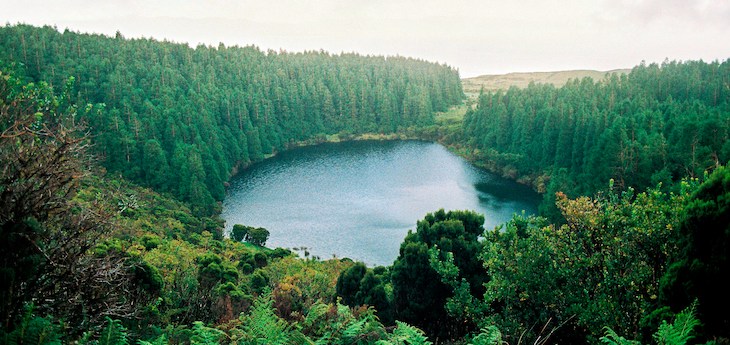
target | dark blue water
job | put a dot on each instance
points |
(358, 199)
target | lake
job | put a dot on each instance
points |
(358, 199)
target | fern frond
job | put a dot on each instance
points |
(407, 334)
(86, 338)
(161, 340)
(324, 339)
(612, 338)
(263, 326)
(315, 313)
(488, 336)
(113, 334)
(354, 329)
(203, 335)
(343, 311)
(297, 337)
(34, 330)
(40, 331)
(680, 331)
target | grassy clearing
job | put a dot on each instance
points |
(472, 86)
(454, 114)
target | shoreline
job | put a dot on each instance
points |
(536, 183)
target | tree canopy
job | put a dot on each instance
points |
(117, 262)
(657, 124)
(180, 119)
(419, 294)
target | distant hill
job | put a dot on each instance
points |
(521, 80)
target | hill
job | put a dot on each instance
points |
(521, 80)
(179, 119)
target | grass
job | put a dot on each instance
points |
(472, 86)
(453, 115)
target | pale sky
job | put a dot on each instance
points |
(477, 37)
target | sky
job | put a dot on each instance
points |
(475, 36)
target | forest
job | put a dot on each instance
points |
(180, 119)
(116, 152)
(657, 124)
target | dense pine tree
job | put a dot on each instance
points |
(179, 119)
(658, 124)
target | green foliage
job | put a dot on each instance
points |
(259, 281)
(337, 324)
(489, 335)
(112, 334)
(262, 326)
(462, 305)
(612, 338)
(602, 267)
(181, 119)
(359, 285)
(257, 236)
(298, 284)
(49, 227)
(658, 124)
(405, 334)
(150, 241)
(203, 335)
(348, 283)
(375, 290)
(161, 340)
(146, 276)
(239, 232)
(324, 323)
(260, 260)
(705, 239)
(419, 293)
(679, 332)
(33, 330)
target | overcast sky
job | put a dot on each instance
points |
(476, 36)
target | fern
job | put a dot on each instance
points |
(343, 311)
(488, 336)
(297, 337)
(86, 338)
(679, 332)
(113, 334)
(161, 340)
(354, 329)
(612, 338)
(325, 339)
(405, 334)
(316, 312)
(34, 330)
(203, 335)
(262, 326)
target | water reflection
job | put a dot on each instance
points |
(359, 199)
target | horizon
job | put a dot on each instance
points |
(476, 38)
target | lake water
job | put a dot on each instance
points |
(358, 199)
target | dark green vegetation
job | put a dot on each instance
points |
(655, 124)
(257, 236)
(704, 255)
(418, 292)
(88, 256)
(95, 259)
(179, 119)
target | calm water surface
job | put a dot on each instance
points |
(358, 199)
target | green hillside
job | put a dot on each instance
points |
(494, 82)
(180, 119)
(115, 154)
